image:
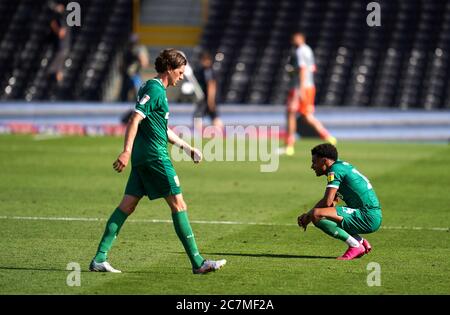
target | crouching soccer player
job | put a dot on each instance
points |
(152, 173)
(362, 213)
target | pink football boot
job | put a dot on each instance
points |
(366, 245)
(352, 253)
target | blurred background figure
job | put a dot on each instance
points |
(302, 93)
(136, 59)
(207, 105)
(61, 39)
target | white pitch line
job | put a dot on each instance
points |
(208, 222)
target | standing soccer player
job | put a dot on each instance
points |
(152, 173)
(362, 213)
(302, 93)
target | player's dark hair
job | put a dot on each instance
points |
(325, 150)
(169, 59)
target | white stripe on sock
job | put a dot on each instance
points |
(352, 242)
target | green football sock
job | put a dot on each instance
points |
(332, 229)
(112, 229)
(186, 236)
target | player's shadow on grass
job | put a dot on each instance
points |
(275, 255)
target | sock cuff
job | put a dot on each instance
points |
(179, 213)
(120, 213)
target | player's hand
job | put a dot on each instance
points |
(196, 155)
(303, 221)
(335, 201)
(121, 162)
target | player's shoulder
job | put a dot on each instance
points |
(341, 166)
(153, 87)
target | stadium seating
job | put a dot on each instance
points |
(404, 63)
(26, 51)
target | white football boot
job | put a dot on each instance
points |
(102, 267)
(210, 265)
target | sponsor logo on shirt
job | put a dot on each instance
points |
(348, 210)
(144, 99)
(330, 176)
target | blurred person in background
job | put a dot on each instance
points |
(61, 39)
(136, 58)
(302, 93)
(207, 105)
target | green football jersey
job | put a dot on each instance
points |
(353, 187)
(151, 139)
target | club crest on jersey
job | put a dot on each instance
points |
(144, 99)
(330, 176)
(167, 115)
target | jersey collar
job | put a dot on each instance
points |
(159, 81)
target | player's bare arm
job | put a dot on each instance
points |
(212, 89)
(194, 153)
(122, 160)
(330, 199)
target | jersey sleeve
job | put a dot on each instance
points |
(334, 178)
(300, 58)
(146, 102)
(209, 75)
(306, 58)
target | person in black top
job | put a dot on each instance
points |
(61, 39)
(135, 59)
(208, 83)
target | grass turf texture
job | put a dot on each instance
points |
(72, 177)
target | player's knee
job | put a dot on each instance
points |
(292, 110)
(128, 205)
(308, 117)
(128, 208)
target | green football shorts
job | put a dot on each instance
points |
(359, 221)
(155, 179)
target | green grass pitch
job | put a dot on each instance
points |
(43, 182)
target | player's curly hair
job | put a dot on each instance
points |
(325, 150)
(169, 59)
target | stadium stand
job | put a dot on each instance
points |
(404, 63)
(26, 51)
(358, 65)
